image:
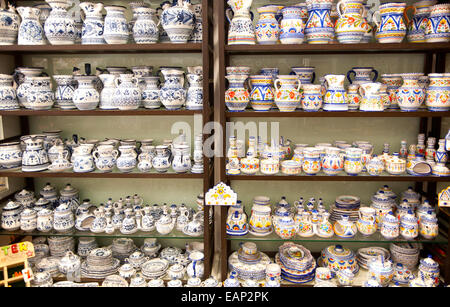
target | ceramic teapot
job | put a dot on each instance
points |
(165, 224)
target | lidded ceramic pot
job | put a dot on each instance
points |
(11, 216)
(338, 258)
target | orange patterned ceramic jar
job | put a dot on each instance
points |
(438, 92)
(237, 96)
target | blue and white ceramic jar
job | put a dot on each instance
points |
(30, 30)
(8, 97)
(194, 99)
(127, 95)
(197, 32)
(9, 25)
(23, 84)
(178, 21)
(172, 93)
(63, 218)
(34, 157)
(40, 95)
(161, 162)
(128, 158)
(45, 220)
(93, 25)
(182, 159)
(10, 155)
(107, 93)
(83, 162)
(105, 157)
(60, 27)
(64, 91)
(116, 25)
(145, 29)
(333, 161)
(86, 97)
(150, 94)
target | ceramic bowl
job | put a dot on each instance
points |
(249, 166)
(270, 166)
(291, 167)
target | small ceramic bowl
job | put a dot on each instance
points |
(270, 166)
(291, 167)
(249, 166)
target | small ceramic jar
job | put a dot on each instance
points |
(28, 220)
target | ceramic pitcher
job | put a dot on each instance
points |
(173, 94)
(86, 97)
(418, 23)
(392, 27)
(237, 96)
(64, 91)
(83, 162)
(292, 27)
(128, 158)
(107, 93)
(178, 21)
(241, 31)
(410, 95)
(23, 83)
(93, 23)
(367, 221)
(350, 27)
(145, 29)
(35, 157)
(182, 159)
(267, 29)
(260, 221)
(438, 92)
(362, 75)
(438, 25)
(150, 94)
(335, 96)
(105, 157)
(60, 27)
(40, 95)
(127, 95)
(262, 92)
(9, 24)
(197, 32)
(371, 98)
(194, 97)
(319, 28)
(287, 93)
(116, 27)
(30, 30)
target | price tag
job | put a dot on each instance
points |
(27, 274)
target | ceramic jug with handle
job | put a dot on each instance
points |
(9, 23)
(60, 27)
(93, 24)
(335, 96)
(370, 97)
(241, 31)
(178, 21)
(350, 27)
(30, 30)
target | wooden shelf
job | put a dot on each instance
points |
(99, 112)
(135, 175)
(393, 113)
(342, 178)
(338, 48)
(102, 49)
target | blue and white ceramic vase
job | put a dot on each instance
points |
(93, 25)
(8, 97)
(30, 30)
(362, 75)
(40, 95)
(182, 159)
(438, 26)
(319, 28)
(145, 29)
(86, 97)
(10, 155)
(127, 95)
(23, 84)
(60, 27)
(267, 29)
(197, 32)
(172, 93)
(150, 94)
(392, 27)
(105, 157)
(9, 25)
(116, 25)
(178, 21)
(194, 100)
(292, 28)
(83, 161)
(128, 158)
(107, 93)
(34, 157)
(161, 162)
(64, 91)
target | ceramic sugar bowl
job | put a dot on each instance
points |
(382, 270)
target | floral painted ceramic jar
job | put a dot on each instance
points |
(59, 27)
(353, 97)
(40, 95)
(284, 225)
(194, 98)
(438, 92)
(393, 82)
(311, 163)
(418, 24)
(337, 258)
(312, 97)
(28, 220)
(9, 24)
(371, 98)
(287, 93)
(335, 97)
(237, 96)
(116, 26)
(44, 220)
(267, 29)
(11, 216)
(249, 166)
(392, 28)
(31, 31)
(178, 21)
(127, 95)
(353, 164)
(237, 224)
(161, 161)
(410, 95)
(292, 27)
(260, 221)
(350, 27)
(429, 227)
(319, 28)
(83, 162)
(262, 92)
(438, 25)
(375, 167)
(241, 30)
(34, 157)
(366, 223)
(270, 166)
(145, 30)
(93, 24)
(127, 160)
(382, 270)
(173, 94)
(409, 227)
(150, 94)
(63, 218)
(333, 162)
(8, 97)
(64, 91)
(105, 157)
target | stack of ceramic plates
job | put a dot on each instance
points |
(155, 268)
(406, 254)
(252, 267)
(296, 262)
(122, 248)
(365, 255)
(49, 265)
(59, 246)
(99, 264)
(345, 205)
(85, 246)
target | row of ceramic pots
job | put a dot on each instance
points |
(117, 89)
(334, 159)
(176, 22)
(305, 219)
(336, 265)
(407, 92)
(33, 154)
(347, 22)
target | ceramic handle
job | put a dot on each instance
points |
(338, 8)
(361, 91)
(349, 74)
(405, 14)
(313, 78)
(376, 75)
(277, 81)
(229, 14)
(375, 17)
(299, 85)
(116, 82)
(96, 155)
(17, 76)
(66, 154)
